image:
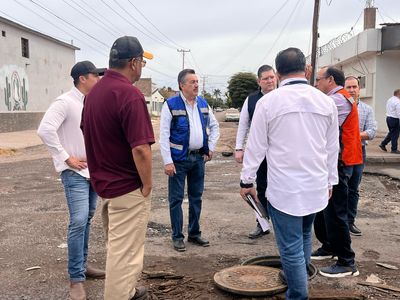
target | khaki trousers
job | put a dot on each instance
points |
(125, 221)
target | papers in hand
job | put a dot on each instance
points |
(260, 212)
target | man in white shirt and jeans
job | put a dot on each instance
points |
(60, 132)
(267, 82)
(296, 128)
(393, 123)
(189, 133)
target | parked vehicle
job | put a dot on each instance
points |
(232, 115)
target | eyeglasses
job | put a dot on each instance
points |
(142, 61)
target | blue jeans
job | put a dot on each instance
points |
(393, 134)
(81, 201)
(294, 238)
(354, 182)
(193, 169)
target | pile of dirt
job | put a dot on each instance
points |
(7, 152)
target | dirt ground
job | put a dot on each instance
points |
(33, 223)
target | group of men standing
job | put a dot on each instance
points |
(305, 142)
(104, 126)
(314, 143)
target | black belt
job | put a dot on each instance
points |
(193, 152)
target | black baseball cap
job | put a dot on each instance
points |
(85, 67)
(127, 47)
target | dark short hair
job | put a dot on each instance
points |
(396, 92)
(338, 75)
(76, 80)
(290, 60)
(264, 68)
(182, 76)
(118, 63)
(353, 77)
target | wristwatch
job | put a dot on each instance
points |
(246, 185)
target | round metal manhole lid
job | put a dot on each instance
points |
(250, 280)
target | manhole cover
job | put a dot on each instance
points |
(250, 280)
(275, 262)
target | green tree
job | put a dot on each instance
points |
(217, 94)
(240, 86)
(210, 100)
(228, 102)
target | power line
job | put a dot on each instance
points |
(92, 15)
(133, 25)
(280, 33)
(72, 25)
(248, 43)
(288, 36)
(383, 20)
(98, 22)
(154, 25)
(352, 27)
(31, 27)
(144, 27)
(159, 72)
(105, 53)
(58, 27)
(379, 6)
(195, 62)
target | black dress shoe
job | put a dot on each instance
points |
(198, 240)
(383, 147)
(258, 232)
(395, 151)
(141, 293)
(354, 230)
(179, 245)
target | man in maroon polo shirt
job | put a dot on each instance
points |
(118, 133)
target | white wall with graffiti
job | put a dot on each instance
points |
(34, 70)
(14, 84)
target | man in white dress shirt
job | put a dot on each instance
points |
(60, 132)
(267, 82)
(188, 136)
(393, 123)
(296, 128)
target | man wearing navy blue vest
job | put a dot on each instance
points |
(188, 135)
(267, 82)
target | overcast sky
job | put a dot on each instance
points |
(224, 36)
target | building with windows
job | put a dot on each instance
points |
(34, 69)
(374, 57)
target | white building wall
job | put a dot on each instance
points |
(362, 56)
(46, 71)
(157, 103)
(387, 80)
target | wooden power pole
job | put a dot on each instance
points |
(183, 56)
(314, 40)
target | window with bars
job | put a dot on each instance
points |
(25, 47)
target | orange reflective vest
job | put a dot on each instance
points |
(350, 141)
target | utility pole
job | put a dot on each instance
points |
(314, 41)
(204, 84)
(183, 56)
